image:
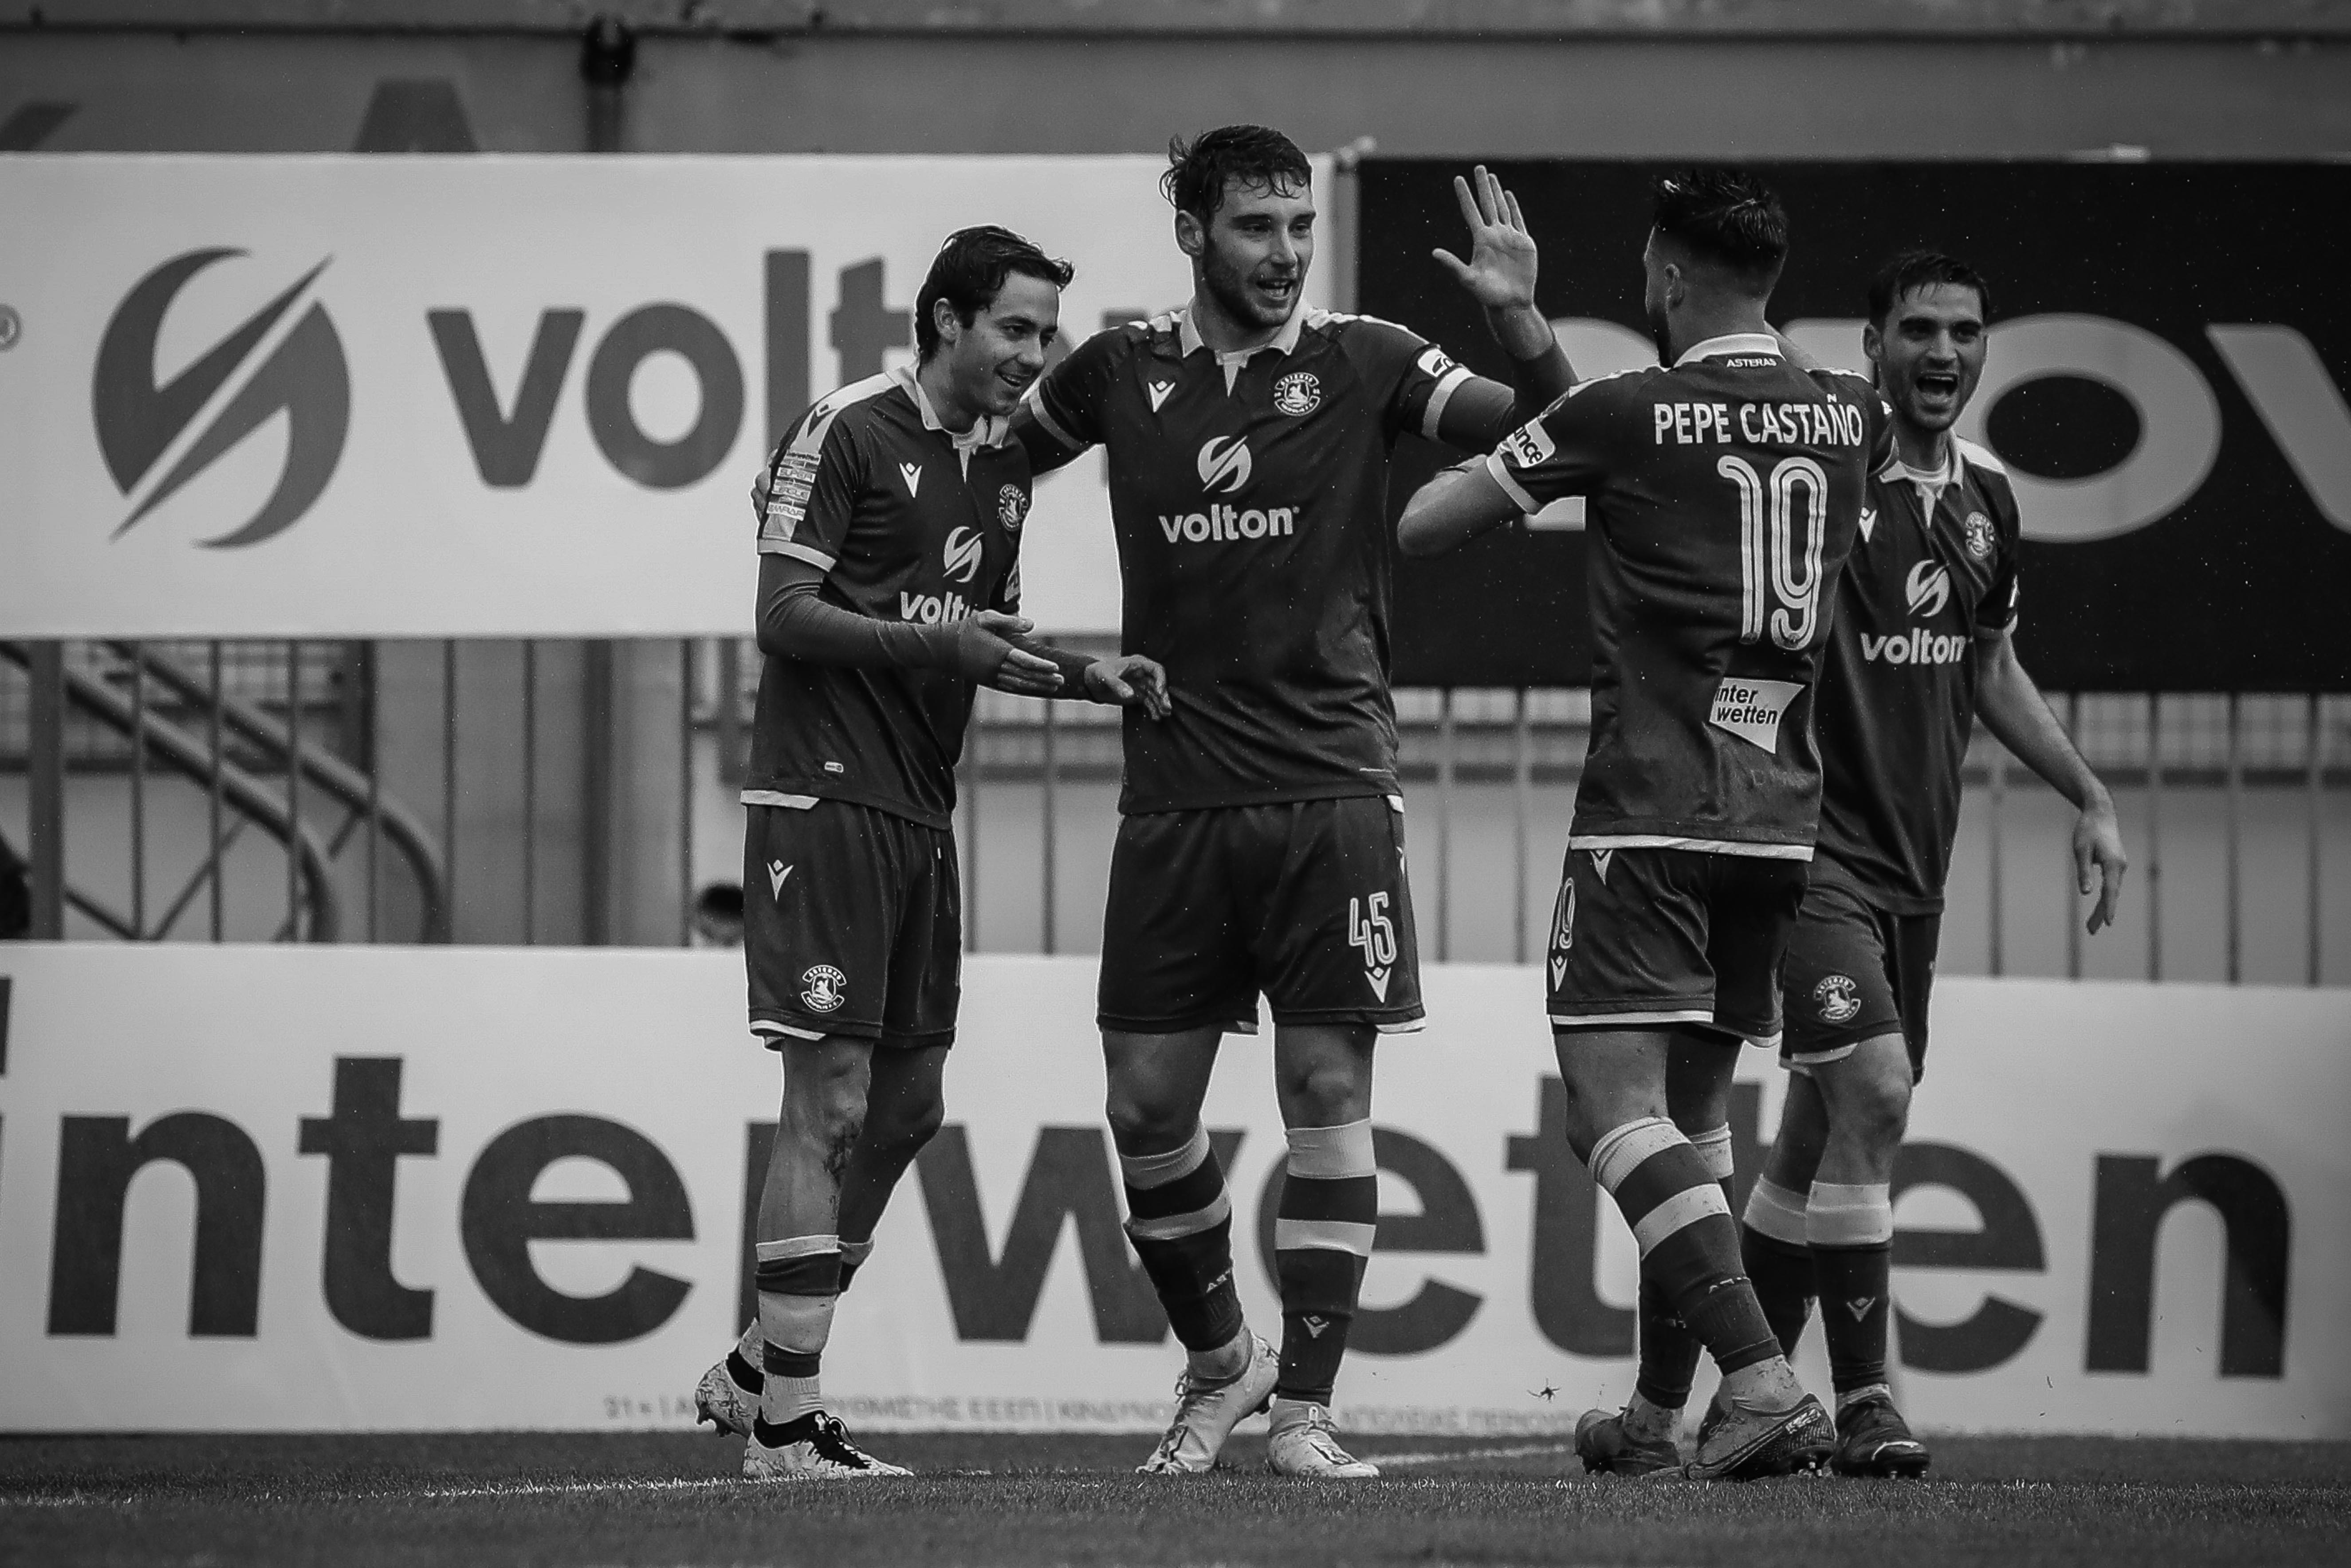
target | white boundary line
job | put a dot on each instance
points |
(1515, 1451)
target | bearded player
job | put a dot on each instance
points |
(889, 587)
(1260, 851)
(1724, 488)
(1922, 646)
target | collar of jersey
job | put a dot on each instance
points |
(1731, 343)
(1936, 478)
(1285, 342)
(986, 431)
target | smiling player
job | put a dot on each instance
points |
(889, 583)
(1922, 645)
(1261, 848)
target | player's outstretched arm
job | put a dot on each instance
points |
(1500, 276)
(1124, 679)
(2020, 718)
(795, 622)
(1453, 508)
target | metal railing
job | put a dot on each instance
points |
(560, 768)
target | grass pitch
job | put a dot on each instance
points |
(538, 1498)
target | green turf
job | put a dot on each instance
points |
(537, 1498)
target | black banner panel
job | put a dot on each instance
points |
(2171, 345)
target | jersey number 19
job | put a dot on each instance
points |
(1773, 562)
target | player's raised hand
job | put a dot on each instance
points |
(1500, 271)
(981, 653)
(1131, 681)
(2099, 860)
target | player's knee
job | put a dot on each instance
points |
(1144, 1122)
(1327, 1094)
(827, 1088)
(1873, 1104)
(906, 1125)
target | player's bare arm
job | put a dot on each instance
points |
(1453, 508)
(2020, 718)
(1500, 276)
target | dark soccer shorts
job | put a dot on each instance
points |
(1853, 973)
(853, 924)
(1664, 938)
(1304, 901)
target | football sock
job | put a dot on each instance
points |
(1851, 1229)
(1688, 1243)
(1779, 1260)
(852, 1257)
(1322, 1230)
(1180, 1219)
(799, 1280)
(743, 1363)
(1669, 1350)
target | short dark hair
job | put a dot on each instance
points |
(1915, 269)
(1198, 170)
(1727, 216)
(969, 272)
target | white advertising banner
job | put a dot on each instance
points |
(276, 1188)
(484, 396)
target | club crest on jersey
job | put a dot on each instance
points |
(1563, 931)
(1298, 392)
(823, 988)
(1838, 997)
(1012, 506)
(1979, 536)
(965, 547)
(1929, 589)
(1374, 936)
(1224, 463)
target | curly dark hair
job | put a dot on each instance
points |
(1727, 216)
(969, 272)
(1198, 170)
(1915, 269)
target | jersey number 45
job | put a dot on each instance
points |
(1779, 540)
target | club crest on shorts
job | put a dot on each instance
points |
(1375, 936)
(1838, 997)
(823, 988)
(1012, 506)
(1979, 536)
(1297, 392)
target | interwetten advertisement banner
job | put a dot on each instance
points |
(2164, 384)
(247, 1188)
(482, 396)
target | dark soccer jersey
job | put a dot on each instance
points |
(1724, 495)
(1935, 564)
(910, 523)
(1249, 496)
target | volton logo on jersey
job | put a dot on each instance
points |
(303, 376)
(1298, 393)
(1838, 997)
(963, 552)
(1224, 463)
(1929, 589)
(1979, 536)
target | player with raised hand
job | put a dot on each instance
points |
(1922, 645)
(1724, 487)
(889, 590)
(1262, 846)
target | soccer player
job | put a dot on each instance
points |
(1920, 647)
(1261, 845)
(1724, 488)
(889, 586)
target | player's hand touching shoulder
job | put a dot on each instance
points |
(1130, 680)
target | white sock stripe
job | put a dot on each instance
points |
(797, 1247)
(1332, 1153)
(1849, 1214)
(1713, 1147)
(1686, 1207)
(1777, 1212)
(1171, 1226)
(1622, 1148)
(1326, 1235)
(1157, 1170)
(801, 1325)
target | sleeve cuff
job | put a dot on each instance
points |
(1053, 426)
(1442, 393)
(815, 558)
(1511, 487)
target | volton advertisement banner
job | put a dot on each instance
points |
(268, 1189)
